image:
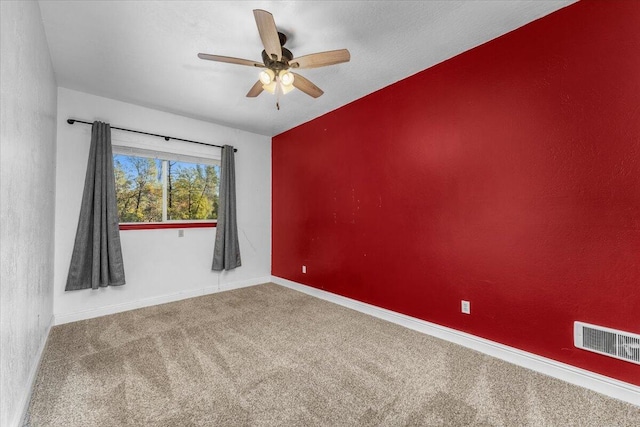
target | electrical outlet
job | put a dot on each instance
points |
(466, 307)
(180, 233)
(304, 269)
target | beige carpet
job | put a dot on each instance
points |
(270, 356)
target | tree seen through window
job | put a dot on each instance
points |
(189, 192)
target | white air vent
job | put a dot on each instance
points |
(607, 341)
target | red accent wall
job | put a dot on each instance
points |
(508, 176)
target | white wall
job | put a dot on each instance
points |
(159, 265)
(27, 192)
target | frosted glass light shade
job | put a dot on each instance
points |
(286, 89)
(286, 78)
(271, 87)
(267, 76)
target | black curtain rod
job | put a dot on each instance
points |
(166, 138)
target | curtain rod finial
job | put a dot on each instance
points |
(71, 121)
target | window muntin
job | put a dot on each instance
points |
(165, 188)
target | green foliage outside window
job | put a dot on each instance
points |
(191, 189)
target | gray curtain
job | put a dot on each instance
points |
(226, 253)
(97, 256)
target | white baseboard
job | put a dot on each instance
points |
(19, 417)
(160, 299)
(571, 374)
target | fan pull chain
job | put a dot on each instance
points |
(278, 93)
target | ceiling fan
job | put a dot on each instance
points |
(277, 61)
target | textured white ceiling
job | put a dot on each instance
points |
(144, 52)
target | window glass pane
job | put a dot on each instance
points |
(192, 191)
(191, 188)
(138, 188)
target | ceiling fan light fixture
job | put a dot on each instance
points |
(270, 87)
(286, 78)
(286, 89)
(267, 77)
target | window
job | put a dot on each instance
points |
(160, 188)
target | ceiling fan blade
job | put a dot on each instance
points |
(255, 90)
(230, 60)
(306, 86)
(321, 59)
(268, 33)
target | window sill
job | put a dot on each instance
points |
(166, 225)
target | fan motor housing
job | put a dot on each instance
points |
(287, 56)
